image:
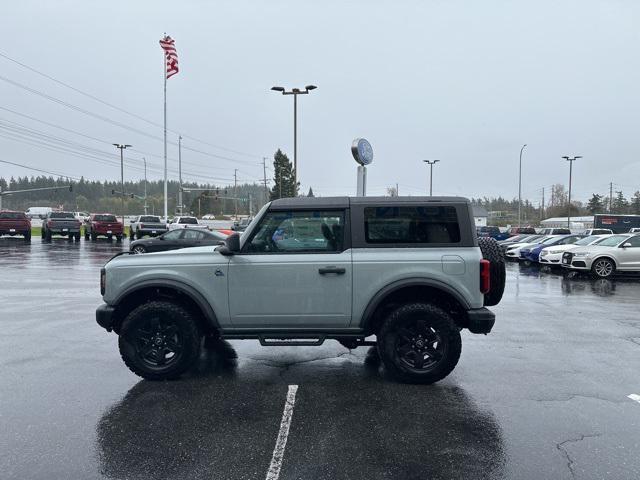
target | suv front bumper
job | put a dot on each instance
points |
(481, 320)
(104, 316)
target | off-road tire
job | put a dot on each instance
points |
(188, 337)
(402, 320)
(599, 268)
(491, 251)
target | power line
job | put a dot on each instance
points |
(111, 105)
(37, 169)
(114, 122)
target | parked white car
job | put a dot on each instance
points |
(513, 251)
(186, 222)
(38, 212)
(553, 255)
(603, 259)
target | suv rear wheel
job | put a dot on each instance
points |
(419, 343)
(491, 251)
(159, 340)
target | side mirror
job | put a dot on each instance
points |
(231, 246)
(627, 244)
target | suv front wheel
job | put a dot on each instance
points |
(159, 340)
(419, 343)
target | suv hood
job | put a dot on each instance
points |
(184, 256)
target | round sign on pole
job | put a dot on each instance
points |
(362, 151)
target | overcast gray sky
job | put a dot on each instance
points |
(466, 82)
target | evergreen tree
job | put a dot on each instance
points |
(284, 184)
(595, 204)
(310, 194)
(620, 204)
(635, 203)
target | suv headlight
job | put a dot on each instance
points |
(581, 255)
(553, 252)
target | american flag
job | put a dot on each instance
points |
(170, 55)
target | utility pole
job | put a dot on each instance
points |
(431, 164)
(122, 148)
(179, 174)
(397, 190)
(520, 187)
(145, 185)
(295, 92)
(570, 160)
(264, 170)
(235, 191)
(610, 197)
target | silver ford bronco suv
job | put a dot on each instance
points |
(408, 270)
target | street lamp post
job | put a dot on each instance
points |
(570, 160)
(295, 92)
(431, 164)
(122, 147)
(520, 188)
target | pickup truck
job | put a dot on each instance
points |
(15, 223)
(186, 222)
(146, 225)
(60, 223)
(103, 224)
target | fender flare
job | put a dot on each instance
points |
(389, 289)
(185, 289)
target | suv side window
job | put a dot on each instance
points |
(406, 225)
(634, 241)
(313, 231)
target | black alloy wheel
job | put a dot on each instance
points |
(159, 340)
(419, 343)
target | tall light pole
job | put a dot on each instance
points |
(121, 147)
(180, 174)
(520, 188)
(145, 185)
(295, 92)
(431, 164)
(570, 160)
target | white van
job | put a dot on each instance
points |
(38, 212)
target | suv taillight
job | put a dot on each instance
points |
(103, 280)
(485, 276)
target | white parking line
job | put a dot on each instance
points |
(278, 452)
(635, 397)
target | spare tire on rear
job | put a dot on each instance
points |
(491, 251)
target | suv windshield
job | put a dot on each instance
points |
(105, 218)
(188, 220)
(150, 219)
(61, 215)
(587, 240)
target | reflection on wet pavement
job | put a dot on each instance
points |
(543, 396)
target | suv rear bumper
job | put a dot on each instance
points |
(481, 320)
(104, 316)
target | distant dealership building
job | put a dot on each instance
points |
(576, 222)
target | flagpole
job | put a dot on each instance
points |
(164, 72)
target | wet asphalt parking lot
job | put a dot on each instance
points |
(545, 395)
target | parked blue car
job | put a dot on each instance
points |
(492, 232)
(532, 253)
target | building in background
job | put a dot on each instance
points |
(480, 215)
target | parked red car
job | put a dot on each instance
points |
(15, 223)
(103, 224)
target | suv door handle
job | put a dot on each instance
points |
(336, 270)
